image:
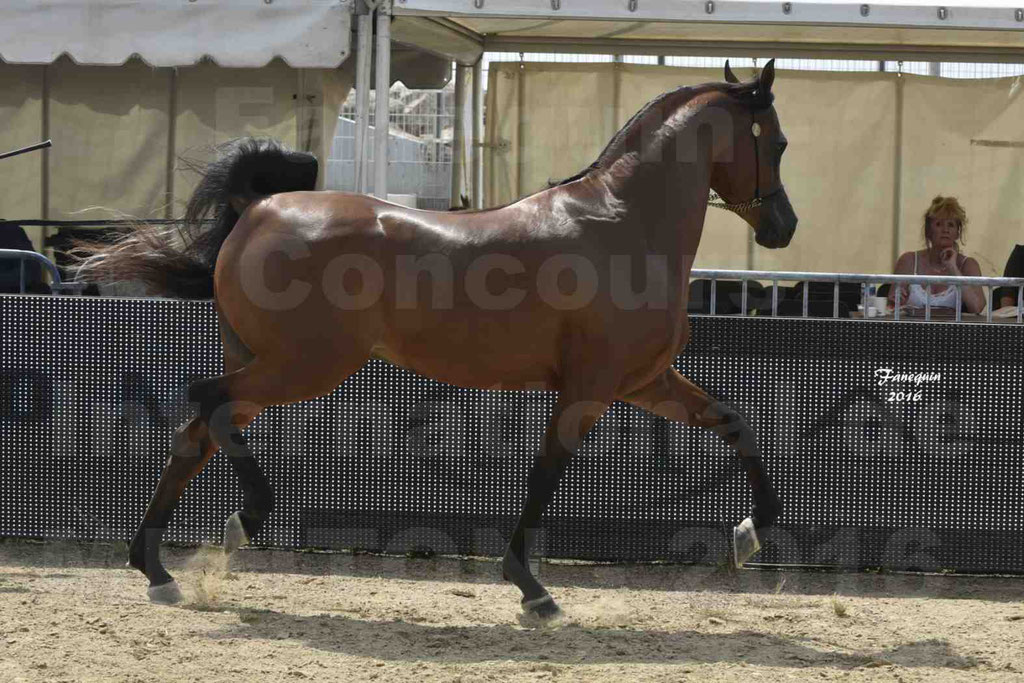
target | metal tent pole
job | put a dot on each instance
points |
(363, 57)
(459, 138)
(383, 85)
(478, 126)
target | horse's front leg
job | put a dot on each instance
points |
(573, 417)
(191, 449)
(674, 397)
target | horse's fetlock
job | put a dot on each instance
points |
(767, 509)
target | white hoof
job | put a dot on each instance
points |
(165, 594)
(744, 542)
(234, 534)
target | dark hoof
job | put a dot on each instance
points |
(165, 594)
(540, 612)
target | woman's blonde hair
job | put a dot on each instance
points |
(946, 206)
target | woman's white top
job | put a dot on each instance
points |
(944, 299)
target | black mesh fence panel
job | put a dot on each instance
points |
(897, 445)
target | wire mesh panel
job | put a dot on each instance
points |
(421, 125)
(892, 445)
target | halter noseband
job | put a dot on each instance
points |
(716, 200)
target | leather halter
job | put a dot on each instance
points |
(717, 201)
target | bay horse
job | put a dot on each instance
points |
(537, 294)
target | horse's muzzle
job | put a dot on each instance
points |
(776, 222)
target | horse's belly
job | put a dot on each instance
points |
(480, 352)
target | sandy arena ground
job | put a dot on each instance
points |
(72, 612)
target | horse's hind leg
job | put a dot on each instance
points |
(257, 495)
(674, 397)
(226, 405)
(191, 449)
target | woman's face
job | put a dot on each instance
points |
(944, 230)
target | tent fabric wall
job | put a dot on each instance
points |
(966, 138)
(839, 170)
(21, 124)
(109, 128)
(119, 131)
(863, 146)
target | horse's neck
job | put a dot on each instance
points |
(668, 201)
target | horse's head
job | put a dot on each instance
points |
(746, 175)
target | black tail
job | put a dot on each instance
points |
(178, 260)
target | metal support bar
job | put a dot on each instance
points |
(381, 119)
(460, 164)
(478, 127)
(714, 297)
(364, 53)
(31, 148)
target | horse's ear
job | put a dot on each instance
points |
(767, 77)
(730, 77)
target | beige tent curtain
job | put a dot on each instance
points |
(547, 121)
(966, 138)
(119, 132)
(21, 124)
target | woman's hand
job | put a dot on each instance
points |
(948, 259)
(904, 295)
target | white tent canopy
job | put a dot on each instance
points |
(234, 33)
(911, 29)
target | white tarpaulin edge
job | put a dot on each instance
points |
(234, 33)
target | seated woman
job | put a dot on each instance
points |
(944, 223)
(1007, 296)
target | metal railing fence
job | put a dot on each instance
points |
(745, 277)
(56, 284)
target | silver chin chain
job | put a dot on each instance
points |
(716, 201)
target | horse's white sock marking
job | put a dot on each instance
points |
(744, 542)
(234, 534)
